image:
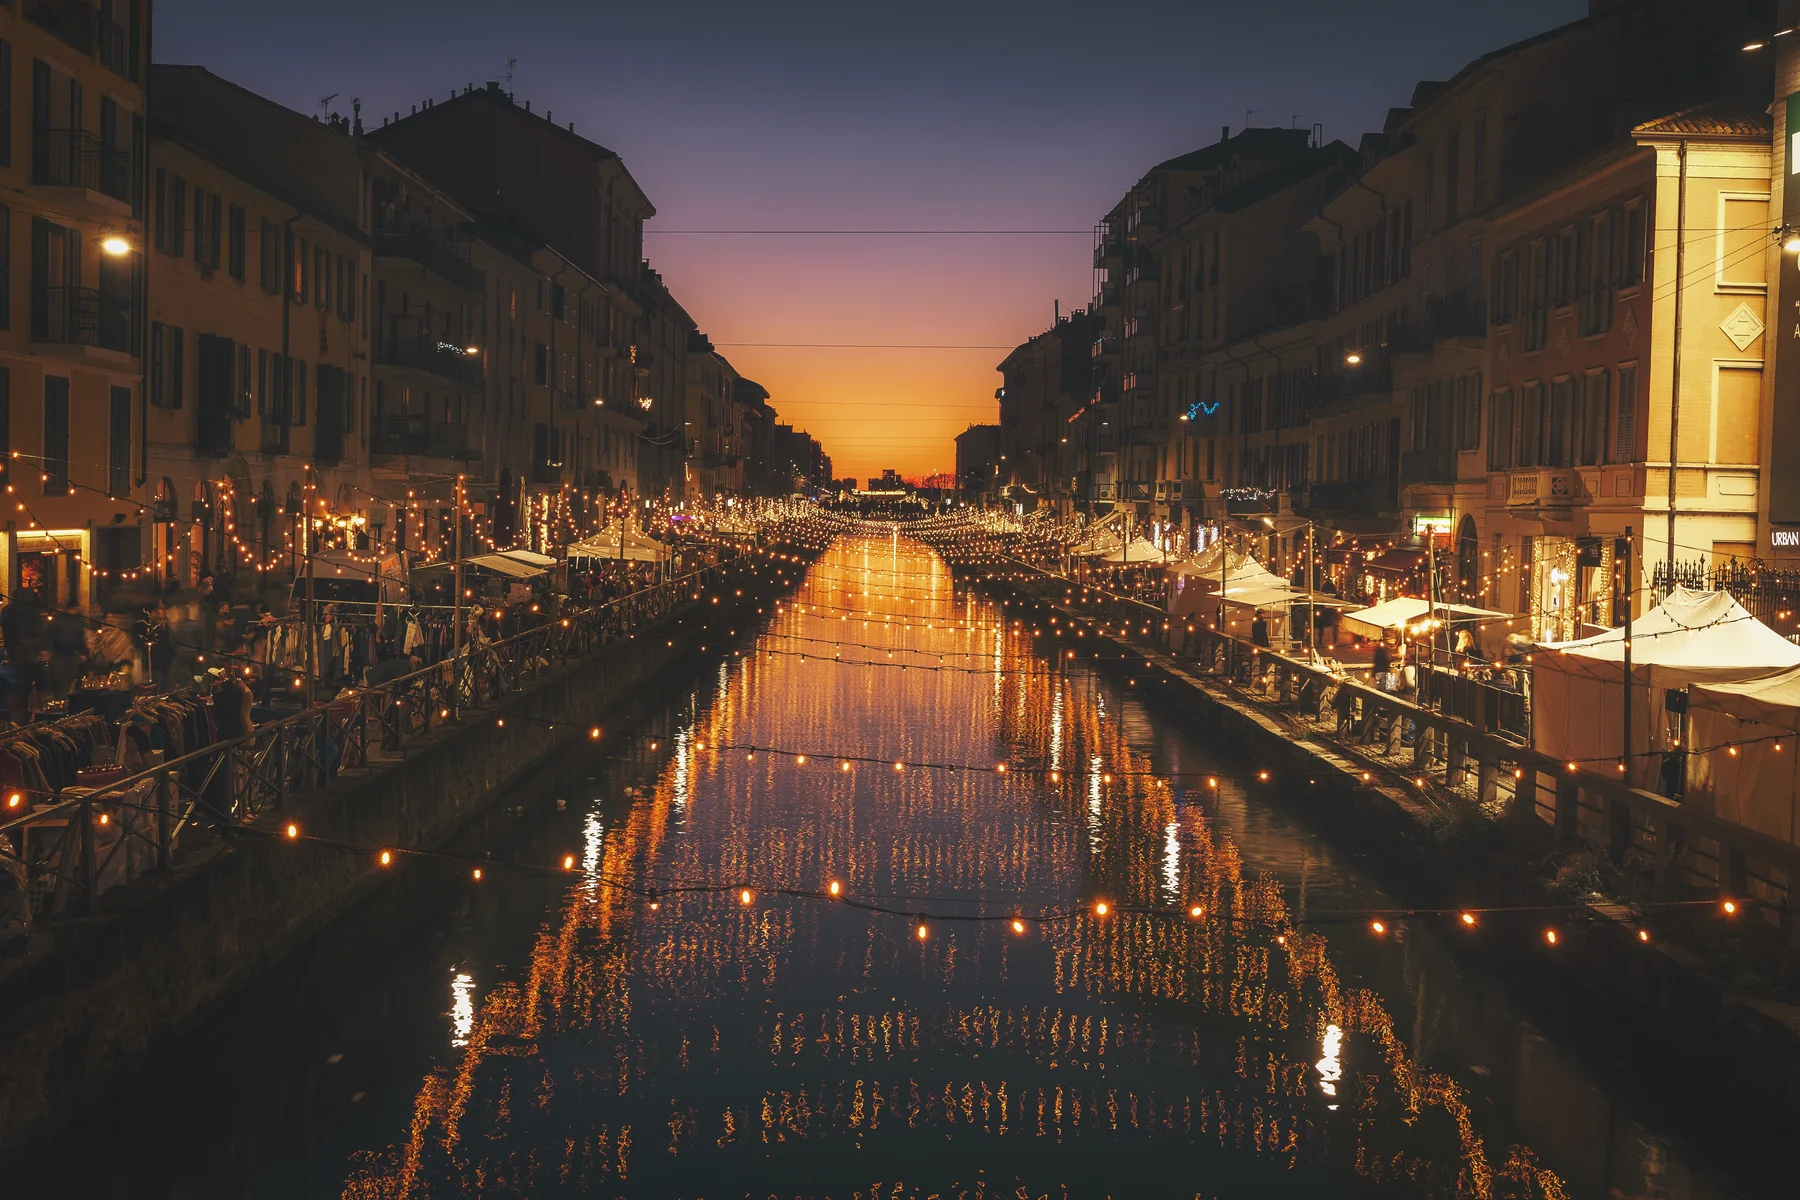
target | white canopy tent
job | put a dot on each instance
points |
(1690, 638)
(1744, 753)
(530, 558)
(1194, 582)
(610, 544)
(1404, 610)
(501, 564)
(1142, 551)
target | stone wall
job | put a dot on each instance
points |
(97, 996)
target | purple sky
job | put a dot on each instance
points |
(847, 116)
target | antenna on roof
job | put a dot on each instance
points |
(511, 62)
(1248, 113)
(325, 102)
(1294, 120)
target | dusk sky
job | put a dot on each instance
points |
(839, 116)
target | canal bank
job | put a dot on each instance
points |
(1706, 1027)
(95, 996)
(567, 1036)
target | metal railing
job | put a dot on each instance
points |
(447, 260)
(70, 842)
(75, 158)
(83, 316)
(438, 357)
(1481, 763)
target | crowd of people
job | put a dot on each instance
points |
(55, 659)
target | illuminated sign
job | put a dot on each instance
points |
(1785, 539)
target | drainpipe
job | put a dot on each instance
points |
(1675, 349)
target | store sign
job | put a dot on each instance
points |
(1437, 526)
(1784, 442)
(1785, 539)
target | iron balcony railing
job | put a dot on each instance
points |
(84, 317)
(72, 844)
(437, 357)
(75, 158)
(397, 241)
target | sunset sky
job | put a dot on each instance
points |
(1005, 118)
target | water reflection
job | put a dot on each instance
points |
(712, 1045)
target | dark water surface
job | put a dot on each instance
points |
(567, 1036)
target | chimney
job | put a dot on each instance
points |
(356, 107)
(528, 106)
(1224, 133)
(493, 85)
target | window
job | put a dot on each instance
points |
(540, 363)
(1500, 431)
(56, 435)
(264, 408)
(1427, 207)
(118, 443)
(1597, 274)
(268, 256)
(321, 285)
(5, 421)
(1478, 151)
(1419, 409)
(1531, 425)
(237, 243)
(1535, 293)
(5, 267)
(1591, 403)
(1562, 397)
(171, 213)
(166, 342)
(243, 397)
(1468, 409)
(297, 392)
(297, 267)
(202, 232)
(558, 300)
(1632, 266)
(1625, 428)
(1742, 263)
(1562, 269)
(1505, 287)
(6, 87)
(1452, 163)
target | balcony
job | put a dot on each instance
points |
(1110, 249)
(1106, 346)
(1134, 489)
(1107, 296)
(1358, 497)
(411, 435)
(78, 316)
(71, 21)
(1434, 464)
(438, 257)
(1461, 314)
(433, 356)
(72, 158)
(1545, 488)
(1143, 222)
(1365, 379)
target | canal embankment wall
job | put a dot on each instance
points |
(1665, 999)
(98, 996)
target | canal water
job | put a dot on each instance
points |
(688, 1012)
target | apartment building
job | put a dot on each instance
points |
(1237, 292)
(521, 171)
(257, 363)
(708, 387)
(72, 318)
(1048, 379)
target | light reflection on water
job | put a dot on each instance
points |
(796, 1047)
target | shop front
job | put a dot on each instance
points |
(1575, 588)
(52, 562)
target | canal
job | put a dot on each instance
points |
(686, 1010)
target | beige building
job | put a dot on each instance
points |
(71, 302)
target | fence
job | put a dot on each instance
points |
(1583, 804)
(68, 853)
(1767, 593)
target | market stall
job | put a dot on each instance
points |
(1690, 638)
(1744, 753)
(1403, 611)
(619, 545)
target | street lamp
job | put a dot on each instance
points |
(116, 244)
